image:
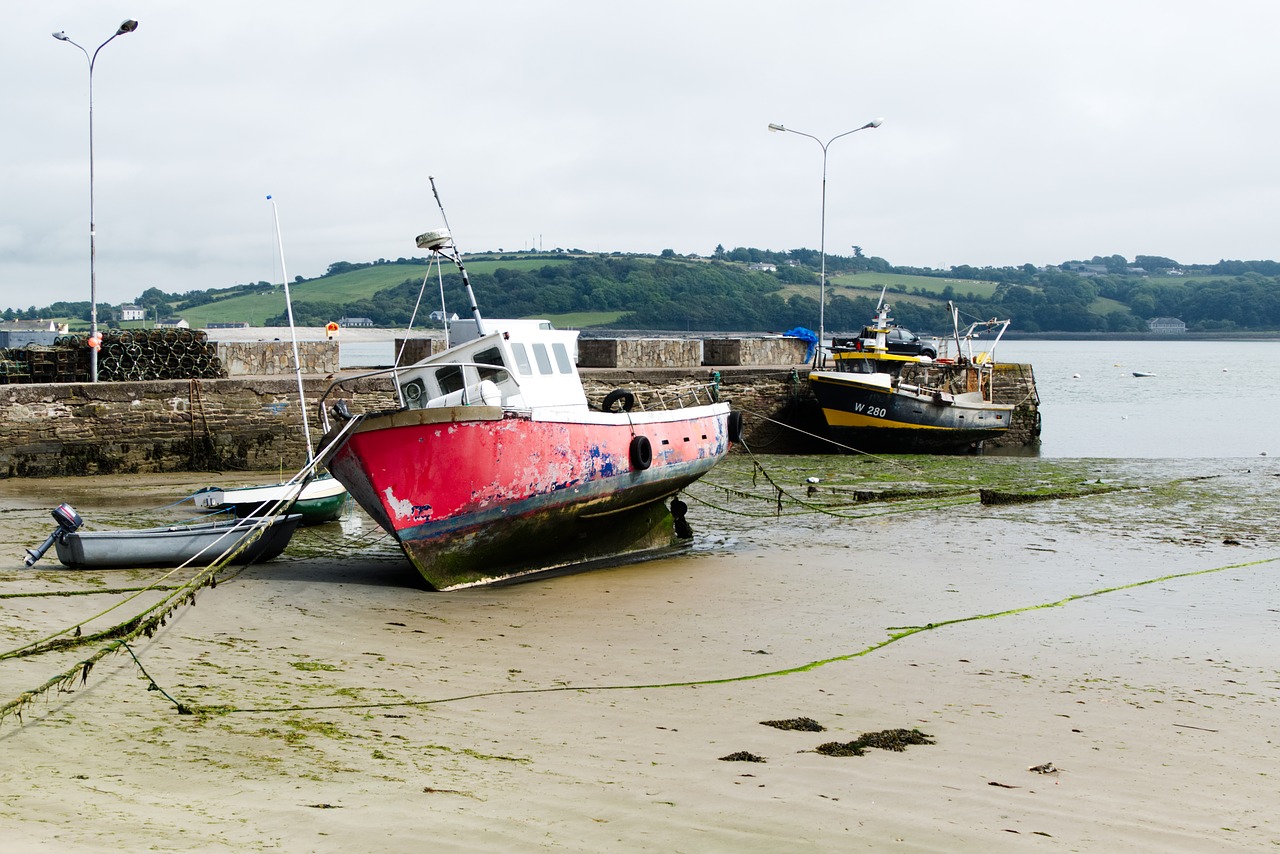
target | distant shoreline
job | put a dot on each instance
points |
(366, 335)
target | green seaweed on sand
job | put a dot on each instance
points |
(991, 497)
(742, 756)
(896, 740)
(797, 724)
(312, 665)
(474, 754)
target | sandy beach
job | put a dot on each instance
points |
(1122, 642)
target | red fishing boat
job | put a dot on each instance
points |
(494, 465)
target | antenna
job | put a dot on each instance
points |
(425, 242)
(297, 361)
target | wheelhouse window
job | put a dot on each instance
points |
(543, 360)
(522, 359)
(449, 379)
(485, 358)
(562, 358)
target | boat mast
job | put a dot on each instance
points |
(293, 334)
(882, 323)
(955, 326)
(456, 258)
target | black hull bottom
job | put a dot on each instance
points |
(880, 440)
(881, 420)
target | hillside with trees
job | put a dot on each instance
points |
(750, 290)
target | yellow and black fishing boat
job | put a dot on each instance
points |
(875, 399)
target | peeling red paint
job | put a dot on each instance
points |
(471, 476)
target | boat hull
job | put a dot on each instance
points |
(478, 494)
(175, 545)
(872, 416)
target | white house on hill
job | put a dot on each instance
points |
(1166, 326)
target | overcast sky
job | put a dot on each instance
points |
(1013, 132)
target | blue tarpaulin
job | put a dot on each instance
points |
(804, 335)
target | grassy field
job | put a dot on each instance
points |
(928, 284)
(1103, 306)
(255, 308)
(870, 284)
(344, 287)
(582, 319)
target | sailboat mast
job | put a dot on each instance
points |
(293, 334)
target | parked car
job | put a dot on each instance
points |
(899, 341)
(904, 342)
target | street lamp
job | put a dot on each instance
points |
(94, 340)
(822, 279)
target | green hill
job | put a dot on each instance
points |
(351, 286)
(749, 290)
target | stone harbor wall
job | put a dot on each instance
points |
(255, 423)
(639, 352)
(160, 425)
(1016, 383)
(754, 352)
(690, 352)
(275, 358)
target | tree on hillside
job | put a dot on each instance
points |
(1154, 263)
(1113, 263)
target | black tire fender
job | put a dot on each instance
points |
(735, 427)
(640, 452)
(618, 394)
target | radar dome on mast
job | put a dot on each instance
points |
(433, 240)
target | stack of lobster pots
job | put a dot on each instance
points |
(125, 355)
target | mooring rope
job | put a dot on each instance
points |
(904, 505)
(234, 548)
(897, 634)
(97, 591)
(781, 492)
(828, 440)
(146, 622)
(82, 669)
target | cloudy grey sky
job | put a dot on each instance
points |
(1013, 132)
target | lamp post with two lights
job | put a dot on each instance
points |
(822, 280)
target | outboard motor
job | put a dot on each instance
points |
(69, 522)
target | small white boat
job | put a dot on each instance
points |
(1142, 374)
(252, 540)
(320, 500)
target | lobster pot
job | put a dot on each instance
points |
(125, 355)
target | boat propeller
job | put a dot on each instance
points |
(69, 522)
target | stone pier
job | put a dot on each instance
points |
(255, 422)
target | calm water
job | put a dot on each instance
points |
(365, 354)
(1206, 398)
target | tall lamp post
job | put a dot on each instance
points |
(822, 279)
(94, 340)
